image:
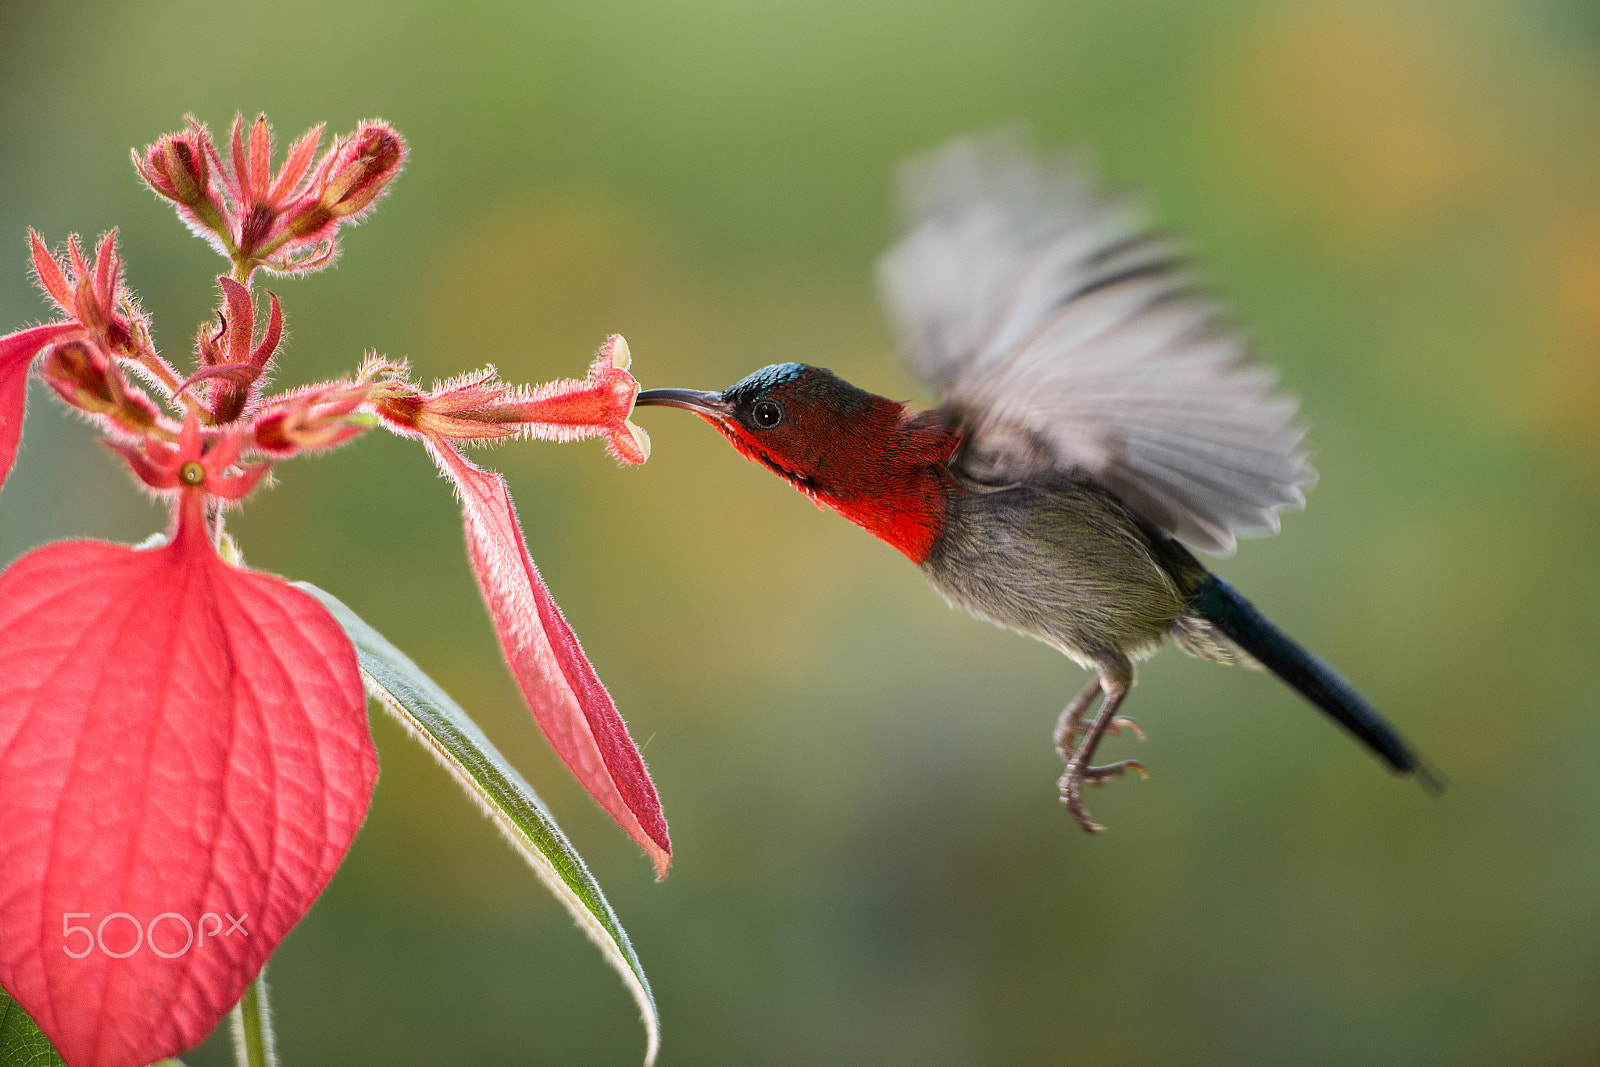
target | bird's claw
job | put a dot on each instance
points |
(1122, 722)
(1113, 770)
(1071, 786)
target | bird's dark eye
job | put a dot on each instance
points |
(767, 414)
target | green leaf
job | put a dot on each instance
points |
(509, 801)
(21, 1043)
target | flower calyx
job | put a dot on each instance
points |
(352, 176)
(93, 295)
(231, 361)
(314, 418)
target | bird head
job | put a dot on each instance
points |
(853, 451)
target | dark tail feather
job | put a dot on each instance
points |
(1221, 605)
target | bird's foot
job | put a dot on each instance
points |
(1071, 786)
(1077, 736)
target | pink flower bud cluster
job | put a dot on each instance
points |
(286, 221)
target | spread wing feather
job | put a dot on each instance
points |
(1068, 338)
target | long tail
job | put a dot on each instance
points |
(1221, 605)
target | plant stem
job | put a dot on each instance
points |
(253, 1042)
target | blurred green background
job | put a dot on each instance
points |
(1402, 201)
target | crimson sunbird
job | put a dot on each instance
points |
(1100, 420)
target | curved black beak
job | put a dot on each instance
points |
(709, 404)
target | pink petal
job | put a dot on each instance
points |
(48, 272)
(241, 318)
(568, 409)
(145, 466)
(260, 159)
(296, 163)
(178, 739)
(272, 335)
(569, 703)
(237, 486)
(107, 268)
(16, 354)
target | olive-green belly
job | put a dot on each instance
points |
(1065, 564)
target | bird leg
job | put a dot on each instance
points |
(1072, 725)
(1088, 735)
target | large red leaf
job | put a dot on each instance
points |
(179, 740)
(16, 355)
(568, 701)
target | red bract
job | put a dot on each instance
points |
(16, 354)
(184, 760)
(571, 706)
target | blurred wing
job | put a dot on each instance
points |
(1068, 338)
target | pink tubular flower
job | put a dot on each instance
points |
(184, 751)
(479, 407)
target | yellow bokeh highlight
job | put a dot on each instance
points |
(1345, 116)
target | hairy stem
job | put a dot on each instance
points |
(253, 1041)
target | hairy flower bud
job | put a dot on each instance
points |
(94, 295)
(82, 376)
(362, 170)
(351, 177)
(317, 419)
(178, 167)
(175, 166)
(89, 380)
